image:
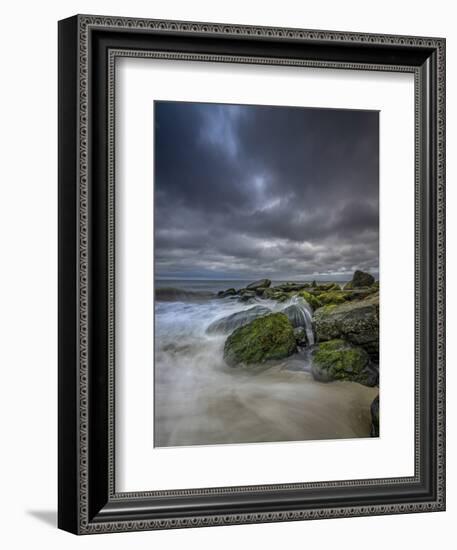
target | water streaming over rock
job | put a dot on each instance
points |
(199, 400)
(227, 324)
(300, 315)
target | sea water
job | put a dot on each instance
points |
(199, 400)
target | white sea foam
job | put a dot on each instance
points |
(199, 400)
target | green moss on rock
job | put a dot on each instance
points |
(273, 294)
(340, 360)
(264, 339)
(354, 321)
(333, 297)
(327, 286)
(312, 300)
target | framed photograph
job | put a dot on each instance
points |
(251, 274)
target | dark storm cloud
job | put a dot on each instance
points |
(247, 191)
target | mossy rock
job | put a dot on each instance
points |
(291, 287)
(266, 338)
(274, 294)
(313, 301)
(340, 360)
(263, 283)
(354, 321)
(333, 297)
(327, 286)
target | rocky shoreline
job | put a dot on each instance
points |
(337, 328)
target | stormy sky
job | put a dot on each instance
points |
(243, 192)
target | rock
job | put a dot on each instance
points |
(263, 283)
(333, 297)
(372, 374)
(264, 339)
(247, 295)
(374, 409)
(298, 313)
(226, 293)
(269, 293)
(355, 321)
(291, 287)
(359, 293)
(339, 360)
(327, 286)
(310, 299)
(361, 279)
(240, 318)
(273, 294)
(300, 336)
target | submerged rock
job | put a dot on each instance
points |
(300, 336)
(266, 338)
(263, 283)
(236, 320)
(247, 295)
(340, 360)
(374, 409)
(355, 321)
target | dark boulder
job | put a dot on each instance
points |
(360, 279)
(374, 409)
(226, 293)
(263, 283)
(291, 287)
(300, 336)
(247, 295)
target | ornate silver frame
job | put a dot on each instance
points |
(88, 502)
